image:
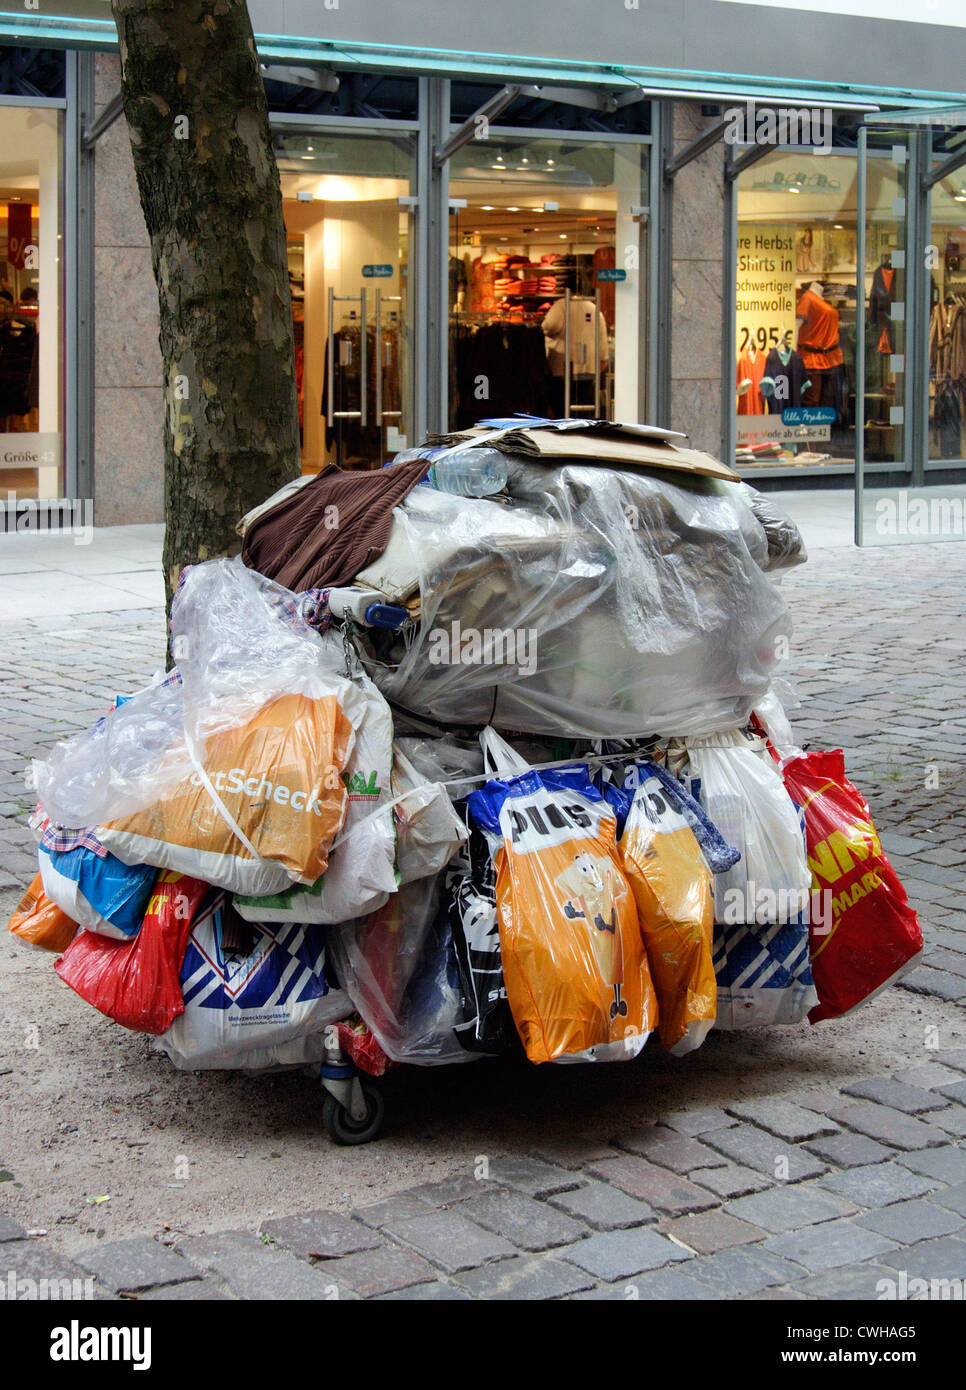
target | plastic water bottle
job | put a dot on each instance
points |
(470, 472)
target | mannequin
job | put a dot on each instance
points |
(818, 344)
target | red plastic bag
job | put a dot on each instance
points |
(362, 1048)
(862, 934)
(137, 982)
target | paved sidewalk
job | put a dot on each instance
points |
(839, 1189)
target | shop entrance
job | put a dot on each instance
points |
(547, 249)
(347, 206)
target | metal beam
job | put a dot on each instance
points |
(942, 171)
(104, 121)
(734, 167)
(696, 148)
(470, 128)
(318, 79)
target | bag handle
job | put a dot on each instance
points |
(498, 756)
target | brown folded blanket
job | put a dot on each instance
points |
(329, 530)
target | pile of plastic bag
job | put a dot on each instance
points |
(522, 785)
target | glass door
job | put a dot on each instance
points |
(915, 334)
(347, 202)
(546, 279)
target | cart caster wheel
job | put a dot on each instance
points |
(343, 1129)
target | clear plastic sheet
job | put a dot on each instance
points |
(237, 646)
(399, 969)
(597, 604)
(785, 545)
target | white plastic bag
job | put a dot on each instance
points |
(253, 1007)
(763, 974)
(429, 832)
(743, 793)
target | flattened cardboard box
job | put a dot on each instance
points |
(624, 447)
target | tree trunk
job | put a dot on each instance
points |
(209, 187)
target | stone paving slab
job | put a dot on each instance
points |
(782, 1118)
(709, 1231)
(604, 1208)
(450, 1240)
(912, 1221)
(912, 1100)
(660, 1284)
(528, 1224)
(943, 1258)
(831, 1244)
(668, 1149)
(130, 1266)
(945, 1165)
(319, 1234)
(755, 1148)
(620, 1254)
(885, 1124)
(850, 1150)
(660, 1188)
(879, 1185)
(782, 1209)
(253, 1270)
(743, 1272)
(525, 1278)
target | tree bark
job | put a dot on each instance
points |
(195, 104)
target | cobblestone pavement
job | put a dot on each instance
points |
(689, 1206)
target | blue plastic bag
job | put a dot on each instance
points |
(98, 892)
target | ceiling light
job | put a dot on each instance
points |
(563, 236)
(513, 209)
(487, 207)
(960, 197)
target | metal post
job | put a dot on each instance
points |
(655, 233)
(363, 395)
(919, 310)
(729, 289)
(330, 349)
(567, 353)
(597, 353)
(378, 356)
(859, 519)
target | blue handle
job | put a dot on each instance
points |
(385, 615)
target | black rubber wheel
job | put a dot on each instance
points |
(343, 1129)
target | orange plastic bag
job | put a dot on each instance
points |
(574, 967)
(278, 777)
(673, 890)
(41, 922)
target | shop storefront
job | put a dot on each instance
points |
(482, 219)
(32, 279)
